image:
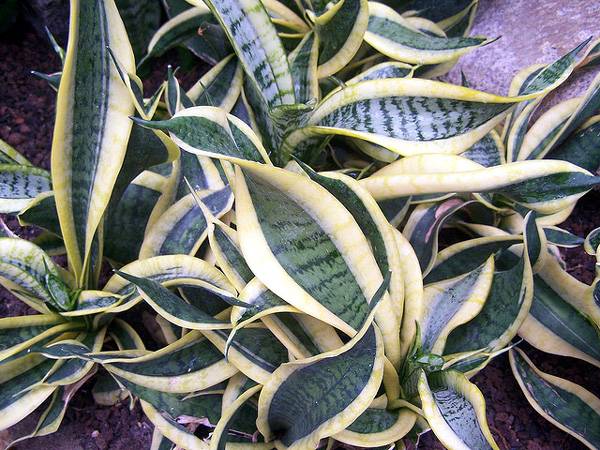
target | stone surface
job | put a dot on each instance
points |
(531, 31)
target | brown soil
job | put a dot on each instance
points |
(26, 121)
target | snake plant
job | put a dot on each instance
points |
(280, 229)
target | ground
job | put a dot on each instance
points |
(531, 32)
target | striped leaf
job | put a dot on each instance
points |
(488, 152)
(272, 124)
(92, 126)
(465, 256)
(413, 292)
(545, 129)
(397, 38)
(172, 307)
(423, 227)
(51, 418)
(176, 405)
(189, 364)
(294, 245)
(18, 400)
(303, 66)
(136, 90)
(330, 391)
(183, 227)
(170, 270)
(209, 131)
(226, 248)
(25, 270)
(262, 303)
(552, 74)
(175, 98)
(238, 419)
(172, 430)
(18, 334)
(93, 302)
(41, 212)
(10, 155)
(132, 203)
(445, 12)
(391, 69)
(545, 186)
(286, 14)
(562, 238)
(341, 35)
(507, 306)
(201, 173)
(258, 48)
(253, 350)
(592, 241)
(182, 29)
(451, 303)
(145, 149)
(581, 148)
(301, 334)
(124, 335)
(374, 225)
(72, 371)
(461, 24)
(557, 326)
(19, 185)
(563, 403)
(407, 116)
(542, 78)
(162, 409)
(517, 132)
(455, 410)
(128, 220)
(586, 107)
(592, 55)
(220, 86)
(378, 427)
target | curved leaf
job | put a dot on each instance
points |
(184, 226)
(563, 403)
(397, 38)
(328, 391)
(455, 410)
(220, 86)
(19, 185)
(189, 364)
(209, 131)
(294, 245)
(172, 307)
(545, 186)
(341, 35)
(451, 303)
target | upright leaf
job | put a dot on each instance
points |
(258, 47)
(92, 126)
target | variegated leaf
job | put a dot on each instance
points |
(563, 403)
(92, 127)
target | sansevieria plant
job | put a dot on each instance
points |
(277, 226)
